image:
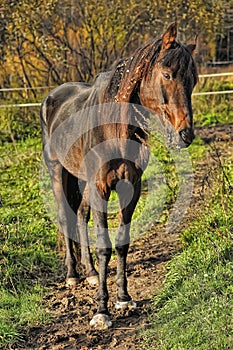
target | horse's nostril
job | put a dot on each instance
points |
(187, 135)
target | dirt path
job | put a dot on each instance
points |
(72, 308)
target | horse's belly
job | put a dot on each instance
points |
(74, 163)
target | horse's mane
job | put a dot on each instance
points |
(128, 72)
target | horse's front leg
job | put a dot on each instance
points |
(103, 253)
(122, 243)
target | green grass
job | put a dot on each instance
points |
(213, 109)
(20, 308)
(17, 124)
(27, 241)
(194, 309)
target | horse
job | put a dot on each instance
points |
(95, 140)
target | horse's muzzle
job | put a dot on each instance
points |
(187, 136)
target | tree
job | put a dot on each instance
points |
(47, 42)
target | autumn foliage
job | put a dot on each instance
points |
(48, 42)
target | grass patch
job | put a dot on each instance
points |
(213, 109)
(27, 242)
(18, 123)
(20, 309)
(194, 309)
(197, 150)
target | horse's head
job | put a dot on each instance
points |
(161, 77)
(167, 86)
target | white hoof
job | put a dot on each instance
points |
(125, 304)
(72, 281)
(101, 321)
(93, 280)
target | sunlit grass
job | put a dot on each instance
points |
(213, 109)
(194, 309)
(27, 241)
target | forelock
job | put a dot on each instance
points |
(179, 60)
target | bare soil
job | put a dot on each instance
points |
(73, 308)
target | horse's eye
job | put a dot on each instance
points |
(166, 76)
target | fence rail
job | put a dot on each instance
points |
(26, 88)
(212, 93)
(225, 74)
(21, 105)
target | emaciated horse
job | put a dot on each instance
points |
(90, 150)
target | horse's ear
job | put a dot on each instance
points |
(192, 46)
(169, 36)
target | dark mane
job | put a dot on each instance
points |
(129, 71)
(115, 80)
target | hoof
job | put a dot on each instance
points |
(72, 281)
(93, 280)
(125, 305)
(101, 321)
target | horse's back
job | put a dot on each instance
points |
(70, 98)
(61, 102)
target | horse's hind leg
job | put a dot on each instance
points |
(73, 197)
(66, 217)
(83, 215)
(122, 242)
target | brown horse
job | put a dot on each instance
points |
(95, 140)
